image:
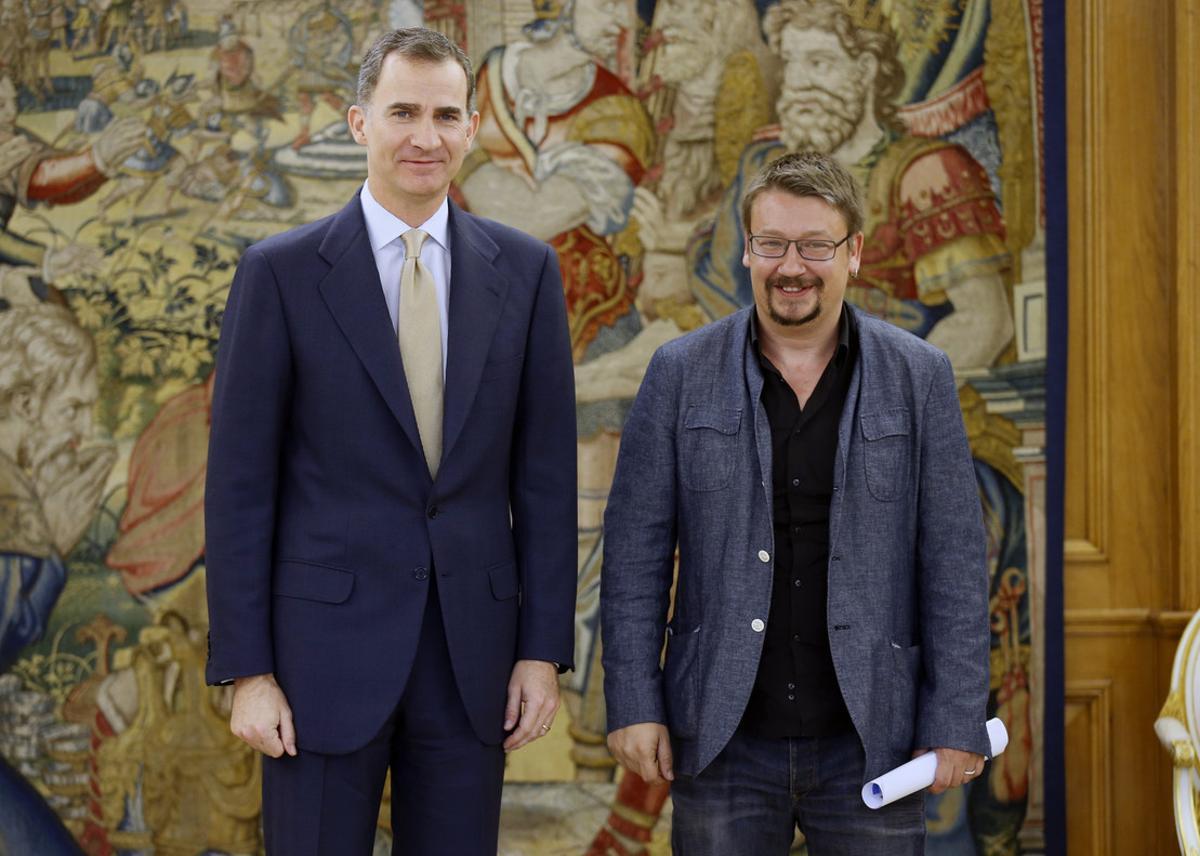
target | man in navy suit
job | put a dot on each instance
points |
(380, 597)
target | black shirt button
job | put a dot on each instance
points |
(795, 637)
(797, 583)
(791, 686)
(791, 696)
(795, 482)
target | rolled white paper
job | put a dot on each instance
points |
(919, 772)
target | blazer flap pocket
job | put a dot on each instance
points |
(309, 581)
(721, 419)
(887, 423)
(504, 580)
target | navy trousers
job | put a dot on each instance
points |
(445, 782)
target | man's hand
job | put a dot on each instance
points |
(954, 768)
(532, 702)
(261, 716)
(645, 749)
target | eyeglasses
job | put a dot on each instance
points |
(771, 247)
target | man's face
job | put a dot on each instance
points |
(792, 291)
(64, 420)
(598, 24)
(8, 102)
(693, 42)
(416, 129)
(824, 91)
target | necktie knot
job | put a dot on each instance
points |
(413, 239)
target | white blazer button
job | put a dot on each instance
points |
(757, 625)
(764, 556)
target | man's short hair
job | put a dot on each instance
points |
(832, 16)
(809, 174)
(41, 346)
(417, 44)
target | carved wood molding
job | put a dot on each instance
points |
(1089, 206)
(1125, 622)
(1092, 700)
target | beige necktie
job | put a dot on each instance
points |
(420, 332)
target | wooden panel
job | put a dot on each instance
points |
(1132, 537)
(1120, 383)
(1088, 746)
(1118, 777)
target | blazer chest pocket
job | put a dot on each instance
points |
(886, 452)
(709, 446)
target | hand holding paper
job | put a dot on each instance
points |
(919, 772)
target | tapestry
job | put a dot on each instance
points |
(145, 144)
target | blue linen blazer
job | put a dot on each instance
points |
(323, 525)
(908, 588)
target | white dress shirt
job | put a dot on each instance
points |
(384, 230)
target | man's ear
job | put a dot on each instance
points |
(356, 117)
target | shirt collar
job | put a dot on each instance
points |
(847, 326)
(384, 227)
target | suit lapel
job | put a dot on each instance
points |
(352, 291)
(754, 385)
(477, 294)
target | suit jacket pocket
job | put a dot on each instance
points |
(709, 446)
(886, 452)
(681, 683)
(907, 662)
(312, 581)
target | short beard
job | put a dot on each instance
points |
(818, 119)
(46, 455)
(778, 281)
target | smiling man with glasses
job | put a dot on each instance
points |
(809, 464)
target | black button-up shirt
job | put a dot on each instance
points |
(796, 692)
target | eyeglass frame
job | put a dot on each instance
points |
(797, 241)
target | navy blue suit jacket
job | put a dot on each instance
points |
(322, 523)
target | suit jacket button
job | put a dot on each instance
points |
(433, 511)
(421, 574)
(764, 556)
(757, 625)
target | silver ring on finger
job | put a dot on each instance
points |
(970, 772)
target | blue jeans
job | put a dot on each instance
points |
(750, 800)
